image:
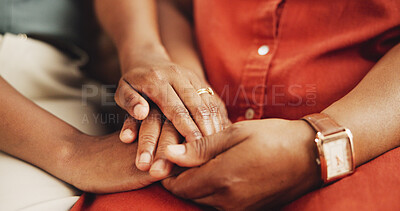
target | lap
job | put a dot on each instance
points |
(374, 186)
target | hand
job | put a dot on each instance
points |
(251, 165)
(154, 136)
(174, 90)
(102, 165)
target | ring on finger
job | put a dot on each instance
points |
(207, 90)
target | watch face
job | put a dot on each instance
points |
(338, 157)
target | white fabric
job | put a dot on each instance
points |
(53, 81)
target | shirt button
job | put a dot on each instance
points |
(263, 50)
(249, 114)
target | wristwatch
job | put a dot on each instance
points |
(335, 147)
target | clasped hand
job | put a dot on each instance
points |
(171, 89)
(251, 165)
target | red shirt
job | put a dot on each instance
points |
(286, 59)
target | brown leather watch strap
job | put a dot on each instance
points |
(323, 123)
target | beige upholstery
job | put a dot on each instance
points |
(53, 81)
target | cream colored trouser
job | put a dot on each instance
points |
(53, 81)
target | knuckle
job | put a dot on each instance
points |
(140, 77)
(203, 112)
(213, 108)
(202, 149)
(228, 182)
(224, 183)
(161, 148)
(168, 140)
(193, 75)
(131, 99)
(175, 68)
(180, 110)
(154, 75)
(148, 139)
(235, 128)
(196, 133)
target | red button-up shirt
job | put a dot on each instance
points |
(286, 59)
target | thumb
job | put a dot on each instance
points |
(202, 150)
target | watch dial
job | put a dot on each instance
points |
(338, 157)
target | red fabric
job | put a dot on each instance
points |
(318, 52)
(154, 197)
(374, 186)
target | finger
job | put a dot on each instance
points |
(148, 137)
(161, 167)
(214, 200)
(129, 130)
(180, 117)
(162, 94)
(202, 150)
(177, 105)
(201, 112)
(196, 105)
(131, 101)
(226, 122)
(194, 183)
(214, 110)
(211, 103)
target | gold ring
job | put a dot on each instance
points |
(205, 91)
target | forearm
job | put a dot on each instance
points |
(371, 110)
(133, 22)
(31, 133)
(132, 25)
(177, 37)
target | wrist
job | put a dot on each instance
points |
(67, 157)
(309, 165)
(132, 55)
(143, 48)
(348, 120)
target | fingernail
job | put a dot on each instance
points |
(140, 111)
(126, 135)
(145, 157)
(177, 149)
(159, 165)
